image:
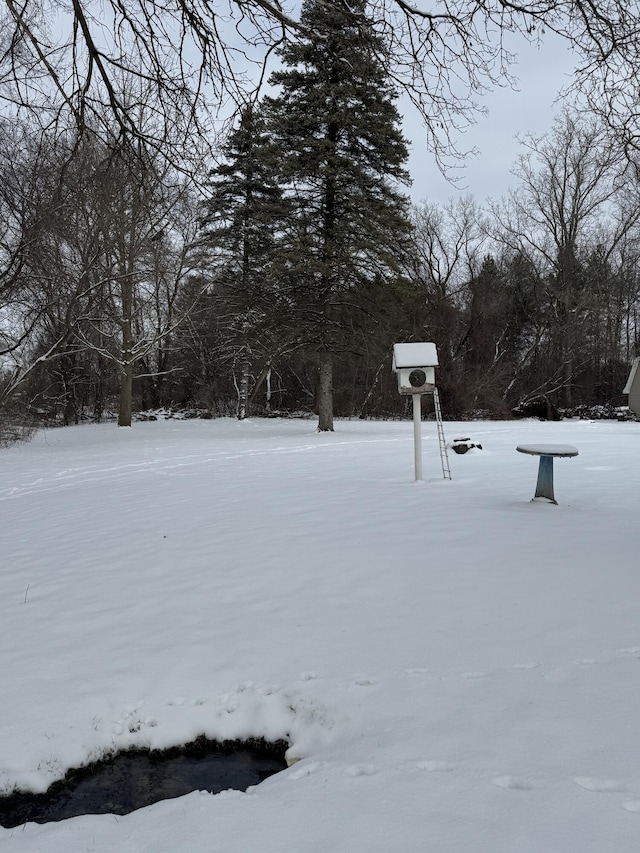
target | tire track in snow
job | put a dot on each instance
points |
(73, 477)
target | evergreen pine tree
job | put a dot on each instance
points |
(342, 156)
(241, 228)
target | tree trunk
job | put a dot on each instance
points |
(566, 395)
(126, 396)
(126, 372)
(325, 392)
(243, 391)
(98, 400)
(363, 408)
(267, 402)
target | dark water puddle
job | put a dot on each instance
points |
(136, 778)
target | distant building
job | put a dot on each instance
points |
(632, 388)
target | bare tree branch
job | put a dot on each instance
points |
(195, 56)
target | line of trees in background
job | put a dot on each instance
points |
(280, 283)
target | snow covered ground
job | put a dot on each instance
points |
(457, 669)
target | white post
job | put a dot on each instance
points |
(417, 438)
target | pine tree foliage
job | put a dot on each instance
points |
(242, 228)
(342, 158)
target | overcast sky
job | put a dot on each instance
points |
(542, 72)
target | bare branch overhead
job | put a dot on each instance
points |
(194, 56)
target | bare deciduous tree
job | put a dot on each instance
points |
(44, 282)
(193, 54)
(95, 250)
(146, 218)
(570, 203)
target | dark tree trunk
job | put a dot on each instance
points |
(325, 393)
(126, 373)
(126, 396)
(243, 390)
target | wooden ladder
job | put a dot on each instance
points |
(444, 459)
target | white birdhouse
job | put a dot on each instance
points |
(415, 365)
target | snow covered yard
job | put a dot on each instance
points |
(457, 668)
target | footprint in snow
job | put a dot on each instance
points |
(632, 806)
(416, 671)
(436, 766)
(516, 783)
(303, 770)
(307, 676)
(472, 676)
(527, 665)
(592, 783)
(362, 770)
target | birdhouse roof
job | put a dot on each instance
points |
(414, 355)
